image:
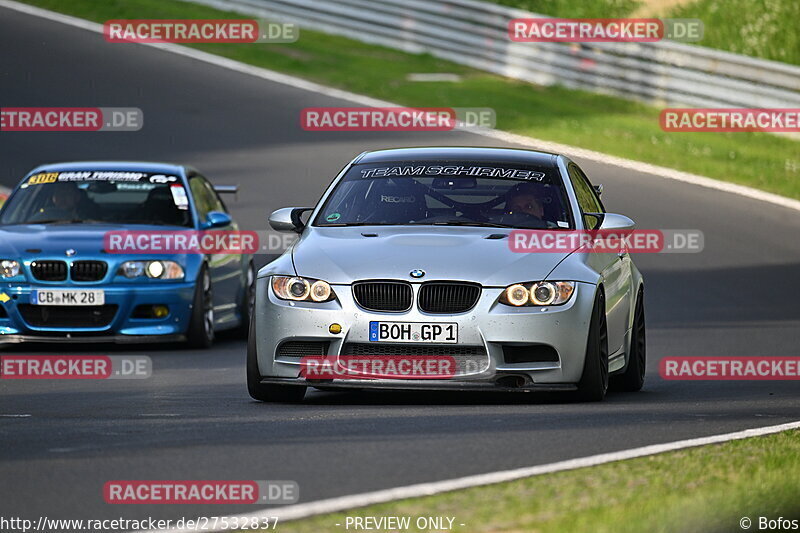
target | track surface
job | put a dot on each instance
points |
(193, 418)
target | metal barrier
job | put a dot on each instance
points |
(475, 33)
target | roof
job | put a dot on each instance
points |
(459, 153)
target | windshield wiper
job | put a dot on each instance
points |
(63, 221)
(471, 223)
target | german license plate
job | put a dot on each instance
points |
(434, 332)
(68, 297)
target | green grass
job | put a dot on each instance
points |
(758, 28)
(579, 118)
(575, 8)
(707, 489)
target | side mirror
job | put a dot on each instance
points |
(217, 219)
(288, 219)
(612, 221)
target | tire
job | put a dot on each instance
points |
(633, 378)
(264, 392)
(201, 323)
(247, 303)
(594, 381)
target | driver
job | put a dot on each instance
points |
(65, 202)
(524, 198)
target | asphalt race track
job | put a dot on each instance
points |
(194, 420)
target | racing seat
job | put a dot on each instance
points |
(160, 207)
(396, 201)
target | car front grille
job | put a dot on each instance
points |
(389, 296)
(49, 270)
(448, 297)
(468, 359)
(299, 349)
(67, 316)
(88, 270)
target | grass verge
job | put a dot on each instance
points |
(758, 28)
(602, 123)
(706, 489)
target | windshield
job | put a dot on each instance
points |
(114, 197)
(469, 194)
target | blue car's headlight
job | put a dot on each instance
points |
(9, 268)
(302, 289)
(152, 269)
(538, 293)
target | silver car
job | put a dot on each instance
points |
(404, 277)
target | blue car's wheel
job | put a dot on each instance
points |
(201, 325)
(247, 301)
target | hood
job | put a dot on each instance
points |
(35, 241)
(343, 255)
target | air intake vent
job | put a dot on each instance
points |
(68, 316)
(468, 359)
(448, 297)
(389, 296)
(88, 270)
(49, 270)
(298, 349)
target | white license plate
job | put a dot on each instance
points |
(68, 297)
(438, 332)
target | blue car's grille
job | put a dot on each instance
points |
(391, 296)
(49, 270)
(448, 297)
(88, 270)
(67, 316)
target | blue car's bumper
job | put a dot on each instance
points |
(20, 321)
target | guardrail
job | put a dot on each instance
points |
(476, 34)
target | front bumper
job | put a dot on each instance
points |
(489, 325)
(120, 327)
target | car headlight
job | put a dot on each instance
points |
(538, 293)
(301, 289)
(9, 268)
(151, 269)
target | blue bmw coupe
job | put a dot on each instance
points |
(60, 283)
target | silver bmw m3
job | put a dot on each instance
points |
(404, 277)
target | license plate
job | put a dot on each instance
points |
(438, 332)
(68, 297)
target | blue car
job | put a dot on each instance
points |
(61, 282)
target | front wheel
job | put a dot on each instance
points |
(632, 379)
(267, 392)
(594, 381)
(201, 323)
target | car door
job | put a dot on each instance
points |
(615, 266)
(225, 268)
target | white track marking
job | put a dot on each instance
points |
(344, 503)
(502, 136)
